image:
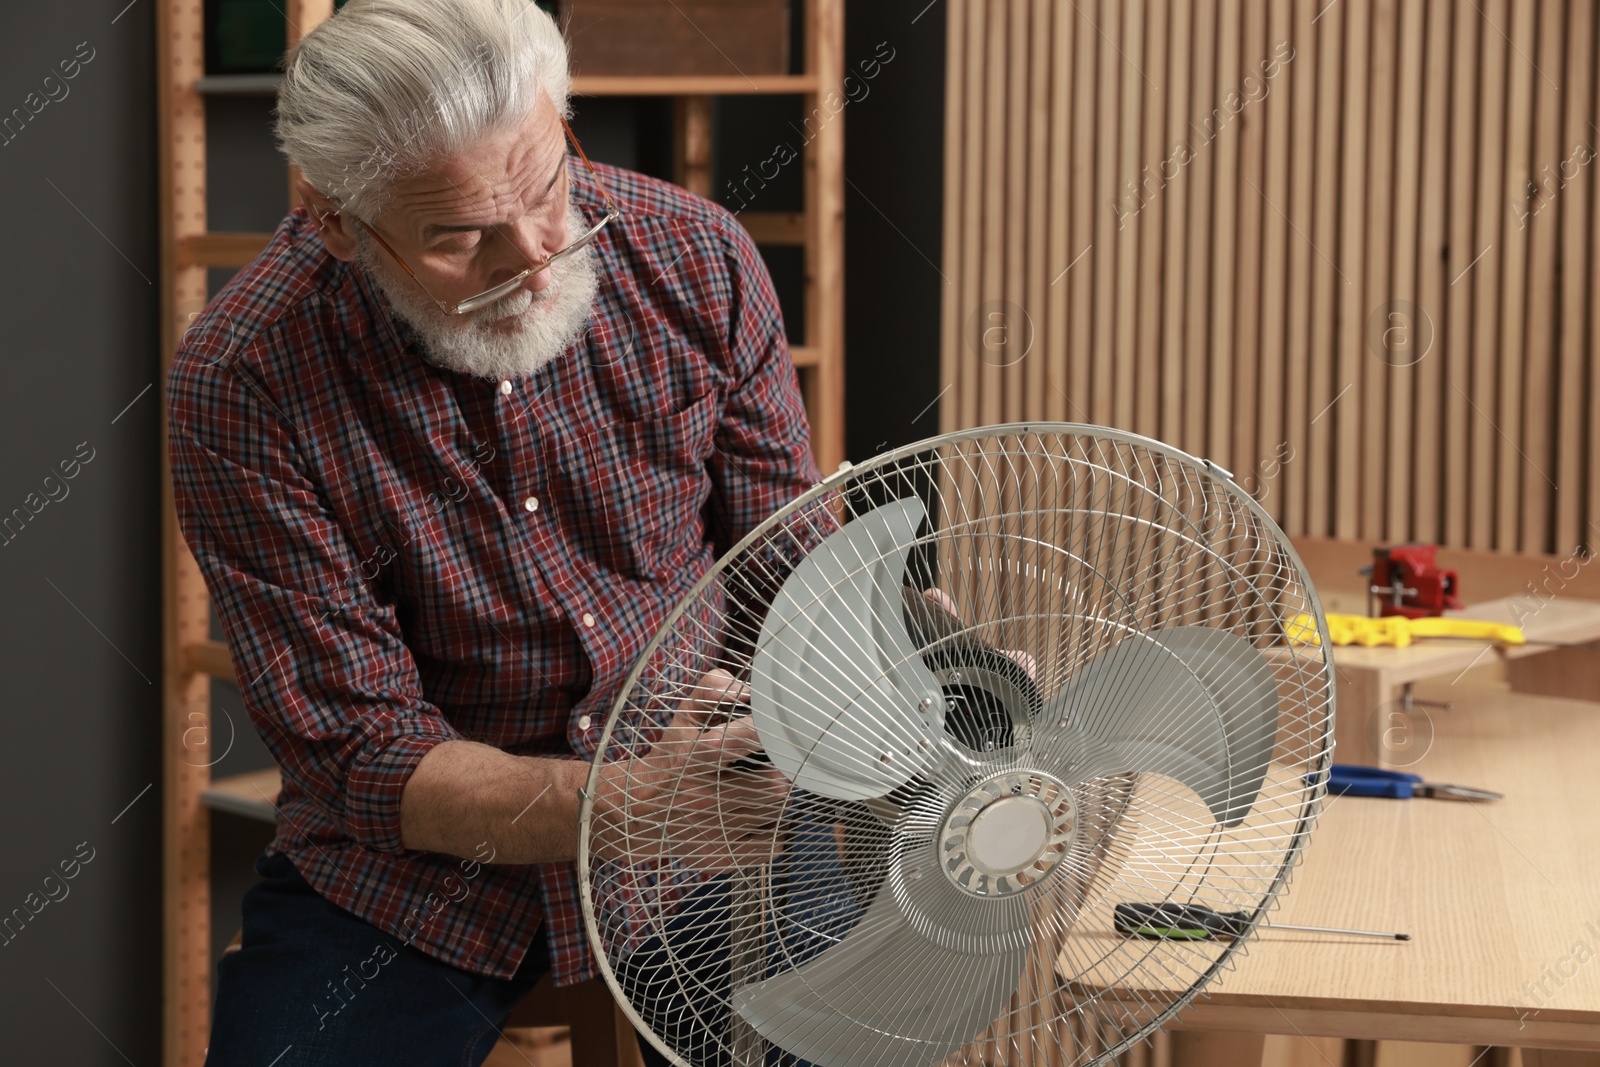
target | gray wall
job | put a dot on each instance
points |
(80, 645)
(80, 641)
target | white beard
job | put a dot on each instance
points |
(549, 321)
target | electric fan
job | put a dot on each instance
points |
(872, 795)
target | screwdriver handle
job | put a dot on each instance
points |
(1191, 922)
(1178, 922)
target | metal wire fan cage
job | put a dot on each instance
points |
(1003, 681)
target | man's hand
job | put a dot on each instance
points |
(947, 604)
(683, 799)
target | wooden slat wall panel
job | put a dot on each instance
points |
(1578, 276)
(1347, 251)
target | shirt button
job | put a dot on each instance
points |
(505, 388)
(532, 503)
(583, 722)
(588, 620)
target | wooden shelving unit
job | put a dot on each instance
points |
(190, 658)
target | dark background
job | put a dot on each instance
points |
(80, 637)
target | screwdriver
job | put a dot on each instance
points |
(1190, 922)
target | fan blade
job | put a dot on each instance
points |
(1194, 703)
(843, 703)
(888, 996)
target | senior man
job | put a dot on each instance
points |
(447, 452)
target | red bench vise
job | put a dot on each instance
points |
(1407, 580)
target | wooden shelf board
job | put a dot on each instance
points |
(238, 84)
(582, 85)
(250, 795)
(210, 657)
(692, 85)
(775, 227)
(220, 249)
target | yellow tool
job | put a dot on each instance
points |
(1399, 631)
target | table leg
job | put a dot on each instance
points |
(1360, 1054)
(1358, 697)
(1572, 673)
(1544, 1057)
(1192, 1048)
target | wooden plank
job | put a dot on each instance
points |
(1325, 391)
(1300, 75)
(958, 213)
(1224, 237)
(219, 249)
(694, 85)
(1251, 442)
(1080, 353)
(806, 355)
(964, 396)
(210, 658)
(1506, 413)
(1399, 1029)
(1573, 673)
(305, 16)
(1425, 473)
(992, 281)
(1591, 523)
(1536, 508)
(1485, 277)
(1110, 63)
(1148, 382)
(251, 796)
(1124, 234)
(1013, 283)
(1271, 345)
(691, 120)
(775, 227)
(1400, 367)
(825, 251)
(1197, 282)
(1573, 431)
(1355, 301)
(1031, 372)
(186, 839)
(1173, 176)
(1465, 245)
(1058, 222)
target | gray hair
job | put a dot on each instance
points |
(387, 88)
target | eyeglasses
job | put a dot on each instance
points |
(506, 288)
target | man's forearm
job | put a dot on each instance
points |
(463, 793)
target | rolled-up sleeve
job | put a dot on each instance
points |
(323, 668)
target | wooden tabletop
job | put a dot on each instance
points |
(1502, 899)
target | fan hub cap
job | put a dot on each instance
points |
(1007, 833)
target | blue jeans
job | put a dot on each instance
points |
(313, 984)
(679, 980)
(316, 986)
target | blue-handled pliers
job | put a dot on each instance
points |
(1356, 780)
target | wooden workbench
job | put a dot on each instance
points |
(1502, 899)
(1372, 727)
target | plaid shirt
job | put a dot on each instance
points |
(401, 555)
